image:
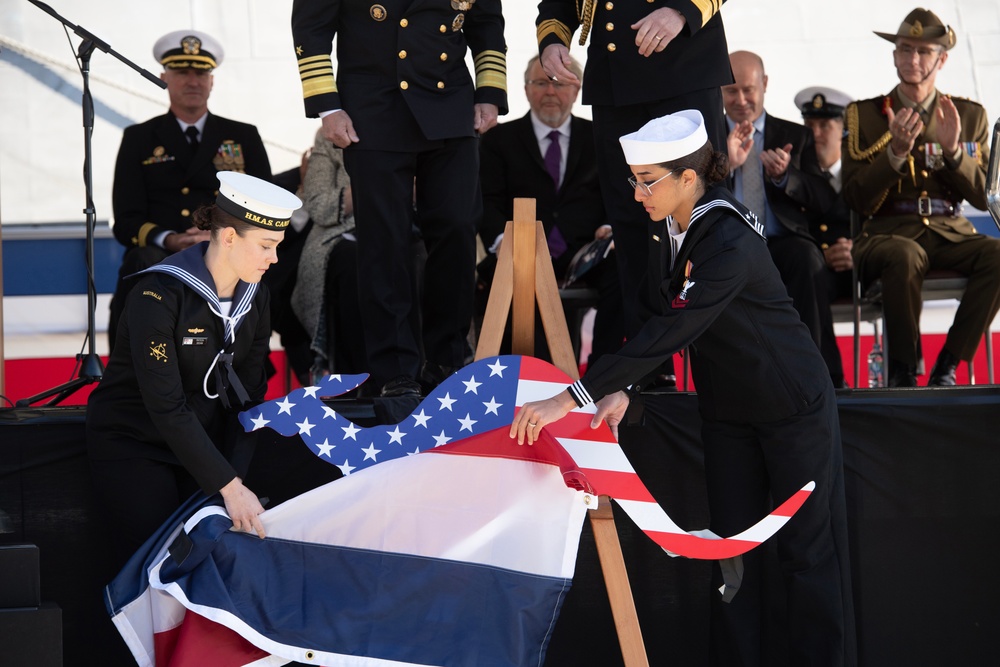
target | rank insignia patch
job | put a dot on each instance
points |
(157, 353)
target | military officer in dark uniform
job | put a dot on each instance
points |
(193, 342)
(769, 416)
(910, 158)
(166, 166)
(822, 110)
(644, 60)
(407, 113)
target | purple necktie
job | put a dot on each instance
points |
(553, 156)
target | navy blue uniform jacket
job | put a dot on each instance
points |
(151, 403)
(751, 357)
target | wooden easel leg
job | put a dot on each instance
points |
(525, 282)
(609, 550)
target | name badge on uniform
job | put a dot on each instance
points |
(194, 340)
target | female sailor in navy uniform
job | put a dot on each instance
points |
(769, 416)
(190, 355)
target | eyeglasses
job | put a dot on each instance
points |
(925, 52)
(647, 188)
(542, 84)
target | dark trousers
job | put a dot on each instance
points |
(902, 263)
(136, 496)
(448, 203)
(749, 468)
(807, 278)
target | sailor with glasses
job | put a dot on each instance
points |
(769, 415)
(910, 158)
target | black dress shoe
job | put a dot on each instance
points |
(943, 373)
(433, 374)
(403, 385)
(902, 375)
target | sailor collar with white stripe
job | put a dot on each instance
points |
(189, 267)
(721, 198)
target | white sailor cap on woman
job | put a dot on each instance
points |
(255, 201)
(182, 49)
(665, 138)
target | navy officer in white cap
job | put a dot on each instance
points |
(769, 416)
(166, 166)
(822, 110)
(192, 346)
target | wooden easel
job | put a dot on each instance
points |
(524, 282)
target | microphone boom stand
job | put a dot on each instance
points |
(91, 369)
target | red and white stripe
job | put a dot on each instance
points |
(607, 471)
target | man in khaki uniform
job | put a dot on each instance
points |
(909, 160)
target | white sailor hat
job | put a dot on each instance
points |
(822, 102)
(181, 49)
(666, 138)
(255, 201)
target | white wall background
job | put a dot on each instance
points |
(41, 136)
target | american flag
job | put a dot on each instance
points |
(483, 397)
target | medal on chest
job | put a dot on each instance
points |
(681, 300)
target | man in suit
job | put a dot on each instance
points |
(167, 166)
(407, 114)
(910, 158)
(549, 155)
(644, 61)
(776, 175)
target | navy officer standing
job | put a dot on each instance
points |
(407, 113)
(166, 166)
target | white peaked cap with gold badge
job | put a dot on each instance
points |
(666, 138)
(822, 102)
(182, 49)
(255, 201)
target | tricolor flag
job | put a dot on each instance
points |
(460, 556)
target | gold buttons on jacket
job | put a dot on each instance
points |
(402, 55)
(823, 228)
(444, 57)
(404, 85)
(440, 84)
(185, 190)
(609, 6)
(403, 23)
(925, 221)
(824, 246)
(443, 28)
(612, 47)
(609, 26)
(185, 213)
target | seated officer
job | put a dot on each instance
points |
(823, 113)
(910, 158)
(166, 166)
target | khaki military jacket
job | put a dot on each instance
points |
(930, 179)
